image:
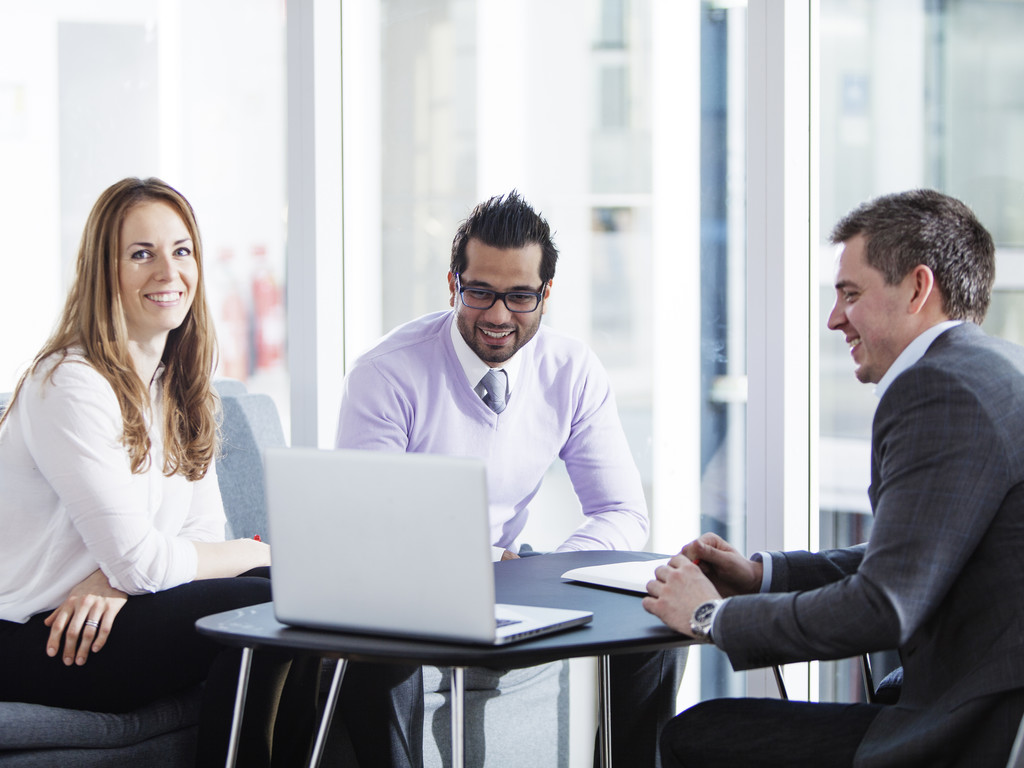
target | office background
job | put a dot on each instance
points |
(691, 157)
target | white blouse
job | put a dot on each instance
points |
(70, 503)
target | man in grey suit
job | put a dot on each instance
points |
(942, 576)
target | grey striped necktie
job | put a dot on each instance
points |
(494, 383)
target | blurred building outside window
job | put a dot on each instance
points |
(913, 93)
(191, 91)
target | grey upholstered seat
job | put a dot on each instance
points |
(161, 733)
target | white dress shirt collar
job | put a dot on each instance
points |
(915, 351)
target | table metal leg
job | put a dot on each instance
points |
(458, 691)
(604, 704)
(325, 719)
(236, 717)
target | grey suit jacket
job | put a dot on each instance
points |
(942, 576)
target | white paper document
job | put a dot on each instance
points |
(632, 575)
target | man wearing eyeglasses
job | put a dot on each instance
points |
(486, 379)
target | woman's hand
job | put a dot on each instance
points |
(84, 618)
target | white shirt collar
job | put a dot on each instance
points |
(915, 351)
(474, 367)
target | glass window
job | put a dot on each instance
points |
(192, 91)
(913, 94)
(558, 101)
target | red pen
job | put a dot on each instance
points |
(257, 537)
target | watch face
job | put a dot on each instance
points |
(703, 612)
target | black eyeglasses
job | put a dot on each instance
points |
(484, 298)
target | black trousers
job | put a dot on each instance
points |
(154, 650)
(382, 707)
(738, 733)
(769, 732)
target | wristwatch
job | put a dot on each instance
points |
(700, 622)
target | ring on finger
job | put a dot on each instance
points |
(92, 623)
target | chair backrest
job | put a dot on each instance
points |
(251, 423)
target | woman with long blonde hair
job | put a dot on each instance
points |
(113, 523)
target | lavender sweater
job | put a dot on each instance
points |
(409, 393)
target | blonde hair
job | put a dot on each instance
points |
(94, 321)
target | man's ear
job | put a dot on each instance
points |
(544, 299)
(923, 283)
(451, 290)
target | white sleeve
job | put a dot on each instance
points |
(206, 520)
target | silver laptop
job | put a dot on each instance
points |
(390, 544)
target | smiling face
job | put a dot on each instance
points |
(157, 272)
(877, 319)
(496, 334)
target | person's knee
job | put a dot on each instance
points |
(693, 734)
(250, 588)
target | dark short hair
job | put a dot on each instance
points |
(506, 221)
(923, 226)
